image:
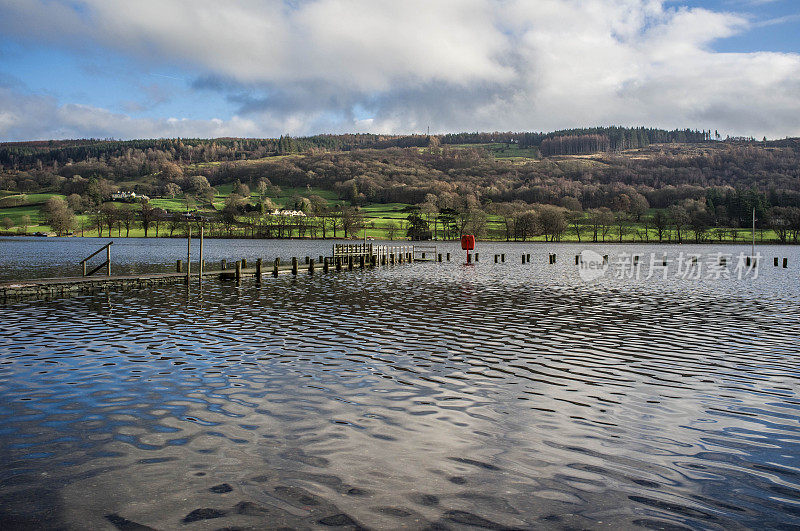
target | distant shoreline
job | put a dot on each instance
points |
(405, 241)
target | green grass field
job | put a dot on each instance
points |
(502, 150)
(378, 218)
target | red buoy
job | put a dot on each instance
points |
(468, 242)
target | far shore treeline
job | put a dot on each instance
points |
(594, 184)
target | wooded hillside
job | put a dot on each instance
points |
(629, 172)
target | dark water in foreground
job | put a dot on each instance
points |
(436, 395)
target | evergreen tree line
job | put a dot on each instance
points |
(54, 153)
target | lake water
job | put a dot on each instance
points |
(430, 396)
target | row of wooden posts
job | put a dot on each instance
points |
(310, 265)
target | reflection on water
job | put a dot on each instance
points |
(432, 396)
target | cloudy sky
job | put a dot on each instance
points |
(262, 68)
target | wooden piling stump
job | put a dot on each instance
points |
(325, 265)
(238, 271)
(275, 265)
(244, 263)
(294, 266)
(179, 266)
(258, 270)
(311, 266)
(785, 263)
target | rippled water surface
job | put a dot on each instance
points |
(424, 396)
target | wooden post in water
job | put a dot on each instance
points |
(258, 270)
(325, 265)
(223, 263)
(528, 258)
(275, 265)
(294, 266)
(179, 266)
(84, 266)
(439, 258)
(108, 260)
(339, 264)
(244, 263)
(307, 260)
(448, 257)
(477, 257)
(311, 266)
(503, 257)
(361, 261)
(238, 271)
(785, 263)
(350, 263)
(776, 261)
(469, 257)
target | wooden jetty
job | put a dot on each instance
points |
(345, 257)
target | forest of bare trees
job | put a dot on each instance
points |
(696, 189)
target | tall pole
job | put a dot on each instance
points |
(201, 252)
(188, 251)
(753, 249)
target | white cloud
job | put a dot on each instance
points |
(33, 117)
(450, 64)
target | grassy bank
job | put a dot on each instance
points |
(381, 221)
